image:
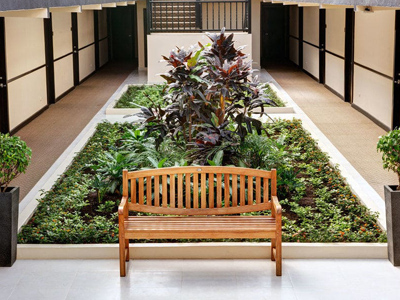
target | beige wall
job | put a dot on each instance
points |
(85, 28)
(103, 46)
(25, 52)
(374, 49)
(373, 93)
(103, 34)
(86, 62)
(374, 40)
(294, 50)
(335, 43)
(294, 20)
(311, 60)
(311, 25)
(162, 43)
(255, 37)
(62, 45)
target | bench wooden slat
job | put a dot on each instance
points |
(211, 190)
(133, 190)
(141, 191)
(266, 191)
(172, 191)
(250, 189)
(242, 190)
(156, 191)
(227, 190)
(188, 190)
(234, 190)
(219, 190)
(195, 190)
(149, 187)
(164, 191)
(203, 190)
(258, 190)
(180, 190)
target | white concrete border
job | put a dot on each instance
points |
(244, 250)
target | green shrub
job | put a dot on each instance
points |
(15, 157)
(142, 95)
(389, 145)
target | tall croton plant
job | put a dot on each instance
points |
(212, 95)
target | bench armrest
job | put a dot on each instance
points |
(276, 206)
(123, 207)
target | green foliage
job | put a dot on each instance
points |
(389, 145)
(318, 204)
(15, 157)
(142, 95)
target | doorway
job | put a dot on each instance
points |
(274, 33)
(123, 34)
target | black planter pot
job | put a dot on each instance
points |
(392, 203)
(9, 204)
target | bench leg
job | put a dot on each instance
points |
(273, 246)
(278, 257)
(127, 250)
(122, 266)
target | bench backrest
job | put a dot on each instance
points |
(199, 190)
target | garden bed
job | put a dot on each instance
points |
(318, 205)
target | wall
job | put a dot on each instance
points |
(25, 53)
(62, 48)
(86, 44)
(162, 43)
(335, 49)
(374, 49)
(294, 34)
(311, 40)
(140, 5)
(255, 40)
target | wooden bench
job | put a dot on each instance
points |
(198, 200)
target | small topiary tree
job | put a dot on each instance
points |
(15, 157)
(389, 145)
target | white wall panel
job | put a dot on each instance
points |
(27, 96)
(103, 46)
(374, 40)
(311, 60)
(85, 28)
(86, 62)
(63, 75)
(24, 45)
(334, 74)
(294, 50)
(335, 30)
(294, 20)
(373, 93)
(311, 25)
(62, 34)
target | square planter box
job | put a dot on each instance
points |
(9, 206)
(392, 203)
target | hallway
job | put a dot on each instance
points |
(54, 130)
(352, 133)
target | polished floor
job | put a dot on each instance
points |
(352, 133)
(54, 130)
(201, 279)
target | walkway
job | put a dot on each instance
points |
(54, 130)
(353, 134)
(201, 279)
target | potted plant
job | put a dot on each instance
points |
(15, 157)
(389, 146)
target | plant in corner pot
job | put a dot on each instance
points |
(15, 157)
(389, 146)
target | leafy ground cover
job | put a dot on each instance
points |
(318, 205)
(146, 95)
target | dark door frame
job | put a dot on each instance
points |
(96, 39)
(75, 47)
(4, 114)
(301, 31)
(349, 56)
(49, 52)
(396, 75)
(322, 42)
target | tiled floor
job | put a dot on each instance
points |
(201, 279)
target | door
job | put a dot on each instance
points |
(396, 76)
(273, 33)
(4, 118)
(123, 27)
